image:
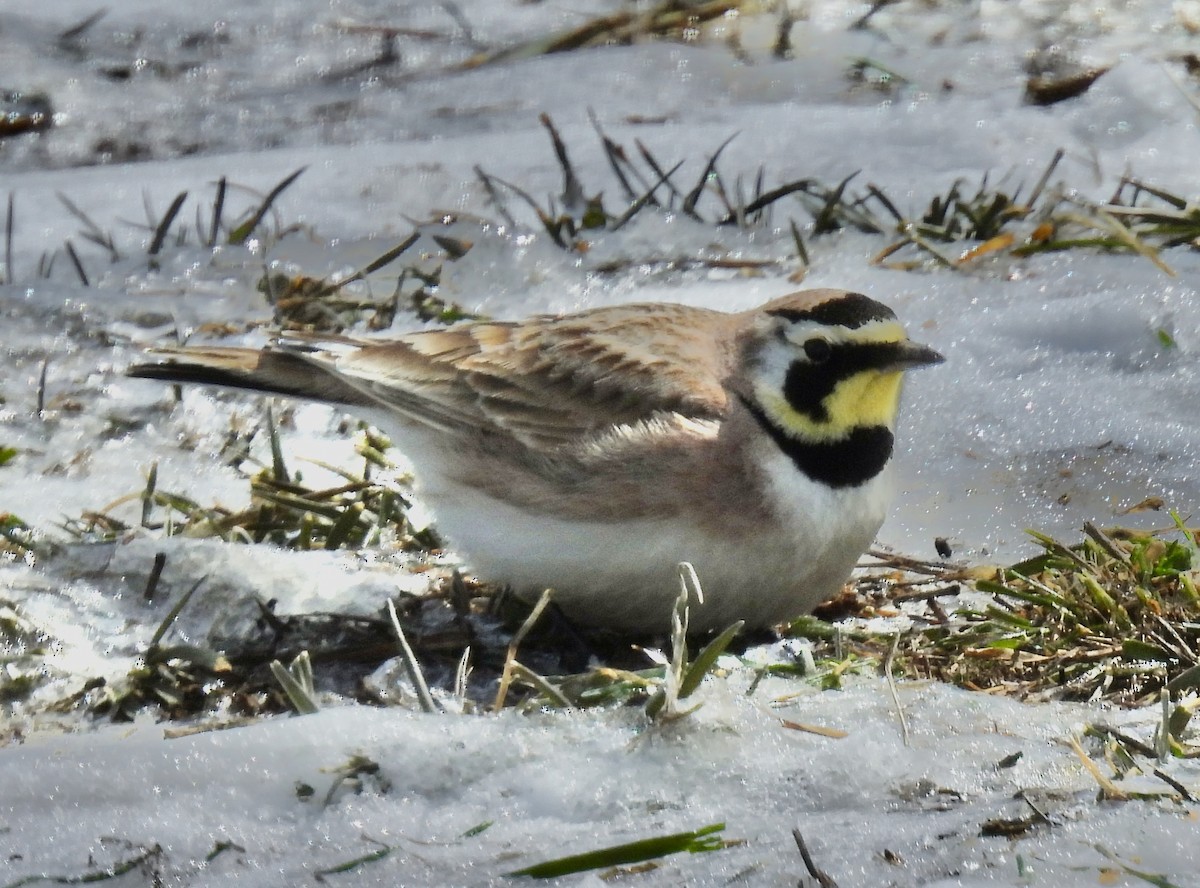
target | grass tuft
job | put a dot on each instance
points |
(1115, 617)
(284, 510)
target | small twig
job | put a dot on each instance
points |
(1174, 784)
(927, 594)
(823, 878)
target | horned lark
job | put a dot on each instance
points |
(592, 452)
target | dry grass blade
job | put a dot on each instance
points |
(74, 32)
(693, 196)
(895, 694)
(241, 233)
(76, 263)
(667, 18)
(637, 205)
(374, 265)
(140, 861)
(411, 666)
(296, 680)
(656, 168)
(1105, 221)
(164, 226)
(214, 230)
(765, 199)
(1113, 617)
(1038, 188)
(91, 231)
(9, 276)
(1110, 790)
(616, 157)
(511, 655)
(572, 195)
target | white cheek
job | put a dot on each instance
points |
(772, 367)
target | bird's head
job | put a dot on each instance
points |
(825, 367)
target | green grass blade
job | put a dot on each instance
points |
(707, 658)
(695, 842)
(243, 231)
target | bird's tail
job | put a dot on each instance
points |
(270, 370)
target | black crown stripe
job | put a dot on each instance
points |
(852, 310)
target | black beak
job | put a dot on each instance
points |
(907, 355)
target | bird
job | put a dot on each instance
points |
(593, 452)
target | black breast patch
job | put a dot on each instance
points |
(846, 462)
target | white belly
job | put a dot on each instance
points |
(624, 575)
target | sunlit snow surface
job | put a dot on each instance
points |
(1058, 403)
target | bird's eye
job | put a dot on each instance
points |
(818, 350)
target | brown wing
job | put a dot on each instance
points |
(550, 380)
(546, 380)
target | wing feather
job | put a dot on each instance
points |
(550, 379)
(546, 381)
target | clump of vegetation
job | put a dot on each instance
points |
(667, 19)
(23, 647)
(285, 511)
(645, 183)
(1115, 617)
(299, 301)
(306, 303)
(989, 220)
(19, 541)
